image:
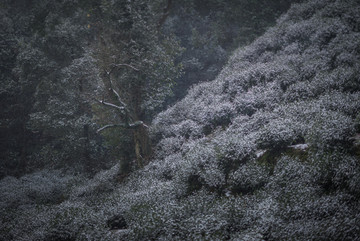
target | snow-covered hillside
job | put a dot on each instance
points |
(269, 150)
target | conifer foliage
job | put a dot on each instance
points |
(269, 150)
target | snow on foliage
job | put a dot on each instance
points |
(297, 85)
(41, 187)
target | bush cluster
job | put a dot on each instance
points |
(228, 164)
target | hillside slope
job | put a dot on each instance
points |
(269, 150)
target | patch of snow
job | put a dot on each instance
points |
(260, 153)
(300, 146)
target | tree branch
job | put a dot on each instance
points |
(111, 105)
(116, 93)
(125, 125)
(110, 126)
(136, 124)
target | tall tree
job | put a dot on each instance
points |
(136, 65)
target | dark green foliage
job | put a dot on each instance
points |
(210, 30)
(193, 184)
(46, 120)
(269, 150)
(117, 222)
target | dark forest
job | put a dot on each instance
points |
(179, 120)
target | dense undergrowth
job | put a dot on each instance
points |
(269, 150)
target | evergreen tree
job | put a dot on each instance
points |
(210, 30)
(47, 119)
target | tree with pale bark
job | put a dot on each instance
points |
(136, 65)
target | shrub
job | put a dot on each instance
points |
(43, 187)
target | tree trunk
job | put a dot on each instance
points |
(143, 148)
(165, 14)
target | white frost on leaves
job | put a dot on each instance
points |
(300, 146)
